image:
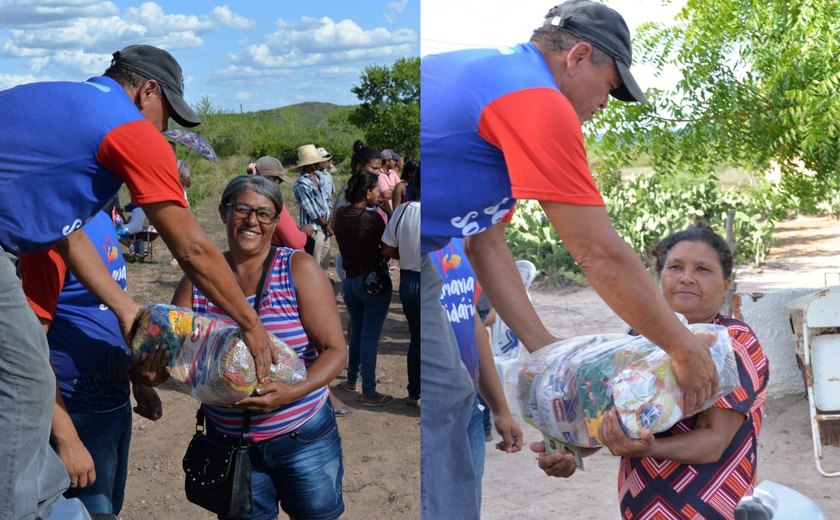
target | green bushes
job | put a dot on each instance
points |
(648, 207)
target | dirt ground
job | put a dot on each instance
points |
(380, 445)
(381, 455)
(515, 488)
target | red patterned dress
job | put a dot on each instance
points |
(660, 489)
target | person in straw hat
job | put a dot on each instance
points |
(313, 192)
(286, 232)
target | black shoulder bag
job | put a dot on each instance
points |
(218, 475)
(374, 281)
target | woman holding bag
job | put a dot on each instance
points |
(297, 460)
(367, 287)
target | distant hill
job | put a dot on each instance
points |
(279, 131)
(311, 112)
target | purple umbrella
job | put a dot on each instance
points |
(193, 141)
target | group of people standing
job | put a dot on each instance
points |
(497, 126)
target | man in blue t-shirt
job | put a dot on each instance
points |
(91, 424)
(66, 149)
(501, 125)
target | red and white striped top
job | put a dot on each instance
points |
(279, 315)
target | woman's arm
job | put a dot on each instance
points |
(319, 317)
(183, 293)
(705, 444)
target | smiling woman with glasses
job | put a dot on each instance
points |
(243, 211)
(297, 457)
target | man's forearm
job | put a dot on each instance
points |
(202, 261)
(617, 274)
(495, 267)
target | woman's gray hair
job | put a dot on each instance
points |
(265, 187)
(558, 40)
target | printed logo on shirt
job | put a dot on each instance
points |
(111, 251)
(471, 223)
(66, 230)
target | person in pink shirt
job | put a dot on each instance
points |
(387, 179)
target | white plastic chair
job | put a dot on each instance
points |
(505, 345)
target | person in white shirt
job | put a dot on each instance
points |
(401, 241)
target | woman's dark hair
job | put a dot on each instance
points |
(409, 169)
(362, 156)
(358, 185)
(358, 145)
(700, 232)
(262, 185)
(415, 181)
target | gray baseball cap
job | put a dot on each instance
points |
(606, 29)
(159, 65)
(268, 166)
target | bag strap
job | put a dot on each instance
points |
(246, 419)
(261, 289)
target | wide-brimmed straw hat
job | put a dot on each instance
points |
(308, 154)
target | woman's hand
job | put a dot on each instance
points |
(269, 397)
(560, 464)
(150, 368)
(614, 438)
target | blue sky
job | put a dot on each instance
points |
(243, 54)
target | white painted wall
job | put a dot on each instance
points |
(764, 311)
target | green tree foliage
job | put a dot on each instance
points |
(389, 112)
(649, 207)
(760, 82)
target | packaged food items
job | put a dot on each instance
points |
(208, 355)
(565, 388)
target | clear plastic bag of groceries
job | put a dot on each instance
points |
(208, 355)
(564, 389)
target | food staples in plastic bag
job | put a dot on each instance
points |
(208, 355)
(565, 388)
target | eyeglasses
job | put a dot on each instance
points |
(243, 211)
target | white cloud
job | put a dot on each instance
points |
(393, 10)
(88, 64)
(326, 35)
(80, 41)
(151, 15)
(228, 18)
(11, 80)
(88, 33)
(243, 95)
(324, 42)
(18, 13)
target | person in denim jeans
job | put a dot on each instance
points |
(297, 460)
(402, 242)
(358, 232)
(91, 422)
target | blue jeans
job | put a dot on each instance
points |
(488, 422)
(446, 462)
(302, 470)
(367, 316)
(106, 435)
(33, 476)
(475, 431)
(410, 298)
